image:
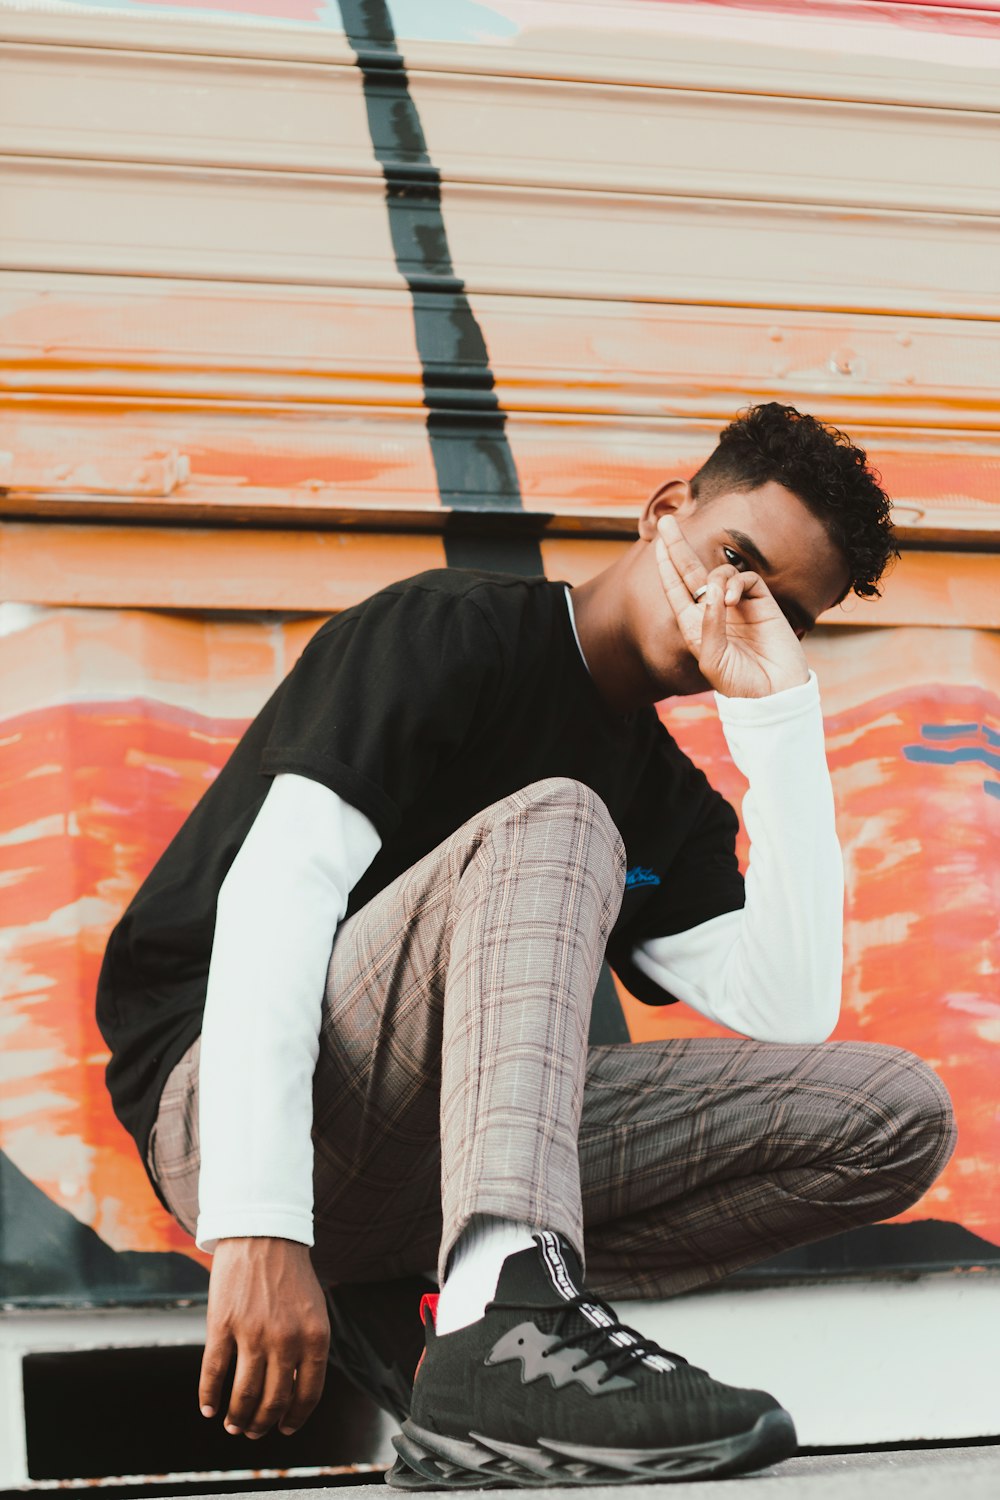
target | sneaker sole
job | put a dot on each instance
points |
(428, 1460)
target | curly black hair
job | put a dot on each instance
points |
(820, 465)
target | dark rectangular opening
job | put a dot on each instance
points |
(101, 1412)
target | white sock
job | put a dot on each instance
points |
(474, 1268)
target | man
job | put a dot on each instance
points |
(447, 792)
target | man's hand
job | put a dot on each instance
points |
(266, 1306)
(730, 621)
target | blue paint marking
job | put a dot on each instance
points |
(640, 875)
(948, 731)
(957, 754)
(951, 757)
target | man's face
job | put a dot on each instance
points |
(766, 531)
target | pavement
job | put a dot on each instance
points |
(917, 1474)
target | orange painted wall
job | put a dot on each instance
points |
(101, 759)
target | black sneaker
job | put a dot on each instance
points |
(550, 1388)
(376, 1338)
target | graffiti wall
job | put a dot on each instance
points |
(298, 298)
(116, 721)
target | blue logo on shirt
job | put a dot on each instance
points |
(640, 875)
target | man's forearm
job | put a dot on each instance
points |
(773, 970)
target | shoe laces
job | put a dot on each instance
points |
(607, 1339)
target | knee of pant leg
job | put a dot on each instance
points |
(576, 799)
(917, 1133)
(582, 803)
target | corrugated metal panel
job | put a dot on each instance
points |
(137, 220)
(291, 401)
(143, 149)
(260, 273)
(204, 568)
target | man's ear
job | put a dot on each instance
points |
(674, 497)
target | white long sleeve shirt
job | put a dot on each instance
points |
(771, 971)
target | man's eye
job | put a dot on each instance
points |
(738, 562)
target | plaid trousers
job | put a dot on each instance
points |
(454, 1078)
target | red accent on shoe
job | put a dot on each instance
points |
(429, 1304)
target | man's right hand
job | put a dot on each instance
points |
(266, 1306)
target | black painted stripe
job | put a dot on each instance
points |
(485, 522)
(475, 469)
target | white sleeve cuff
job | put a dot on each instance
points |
(255, 1223)
(776, 708)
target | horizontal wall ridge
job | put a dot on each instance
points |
(218, 569)
(581, 291)
(668, 58)
(887, 201)
(45, 392)
(393, 65)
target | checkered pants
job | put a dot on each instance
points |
(454, 1078)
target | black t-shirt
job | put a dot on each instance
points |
(420, 706)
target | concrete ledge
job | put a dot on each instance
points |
(856, 1362)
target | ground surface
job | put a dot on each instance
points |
(918, 1474)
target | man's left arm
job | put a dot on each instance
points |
(773, 970)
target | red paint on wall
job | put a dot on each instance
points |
(91, 795)
(92, 792)
(968, 18)
(923, 891)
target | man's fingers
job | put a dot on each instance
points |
(279, 1387)
(309, 1380)
(724, 585)
(686, 611)
(713, 621)
(683, 556)
(214, 1368)
(248, 1386)
(737, 586)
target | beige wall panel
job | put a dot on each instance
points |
(145, 338)
(232, 35)
(149, 106)
(248, 113)
(612, 41)
(238, 226)
(714, 251)
(795, 52)
(678, 141)
(282, 227)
